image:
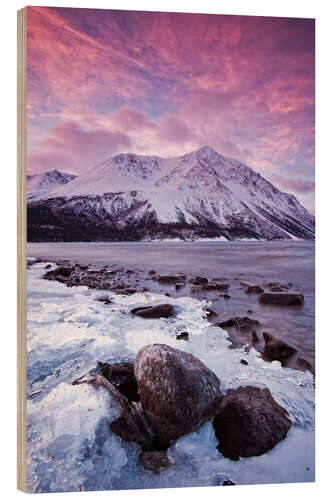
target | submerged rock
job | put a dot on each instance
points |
(249, 423)
(177, 391)
(198, 280)
(171, 280)
(155, 461)
(277, 349)
(244, 324)
(160, 311)
(277, 289)
(283, 299)
(304, 364)
(254, 289)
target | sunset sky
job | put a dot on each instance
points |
(102, 82)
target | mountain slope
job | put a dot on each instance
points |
(39, 183)
(200, 194)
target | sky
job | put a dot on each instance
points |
(101, 82)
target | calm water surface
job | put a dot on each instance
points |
(255, 262)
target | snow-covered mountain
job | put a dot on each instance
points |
(200, 194)
(40, 183)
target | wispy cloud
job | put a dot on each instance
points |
(163, 83)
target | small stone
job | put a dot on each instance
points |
(155, 461)
(182, 336)
(244, 362)
(159, 311)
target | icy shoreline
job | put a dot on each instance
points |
(69, 444)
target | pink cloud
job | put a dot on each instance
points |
(70, 147)
(293, 185)
(165, 83)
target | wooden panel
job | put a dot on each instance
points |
(21, 248)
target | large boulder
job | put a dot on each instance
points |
(177, 391)
(159, 311)
(282, 299)
(249, 423)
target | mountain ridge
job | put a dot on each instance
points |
(199, 194)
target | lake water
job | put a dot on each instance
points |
(254, 262)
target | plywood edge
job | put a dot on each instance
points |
(21, 249)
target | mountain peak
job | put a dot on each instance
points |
(201, 194)
(47, 180)
(206, 149)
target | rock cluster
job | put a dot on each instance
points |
(168, 393)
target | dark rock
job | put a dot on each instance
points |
(244, 362)
(277, 349)
(177, 391)
(121, 375)
(196, 288)
(226, 296)
(62, 271)
(254, 289)
(244, 324)
(228, 483)
(283, 299)
(151, 272)
(129, 271)
(304, 364)
(210, 313)
(123, 291)
(160, 311)
(198, 280)
(178, 286)
(167, 294)
(104, 299)
(249, 423)
(214, 285)
(47, 266)
(156, 461)
(131, 423)
(171, 280)
(249, 311)
(183, 336)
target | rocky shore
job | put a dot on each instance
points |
(164, 393)
(243, 330)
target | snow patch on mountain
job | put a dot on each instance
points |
(203, 193)
(46, 181)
